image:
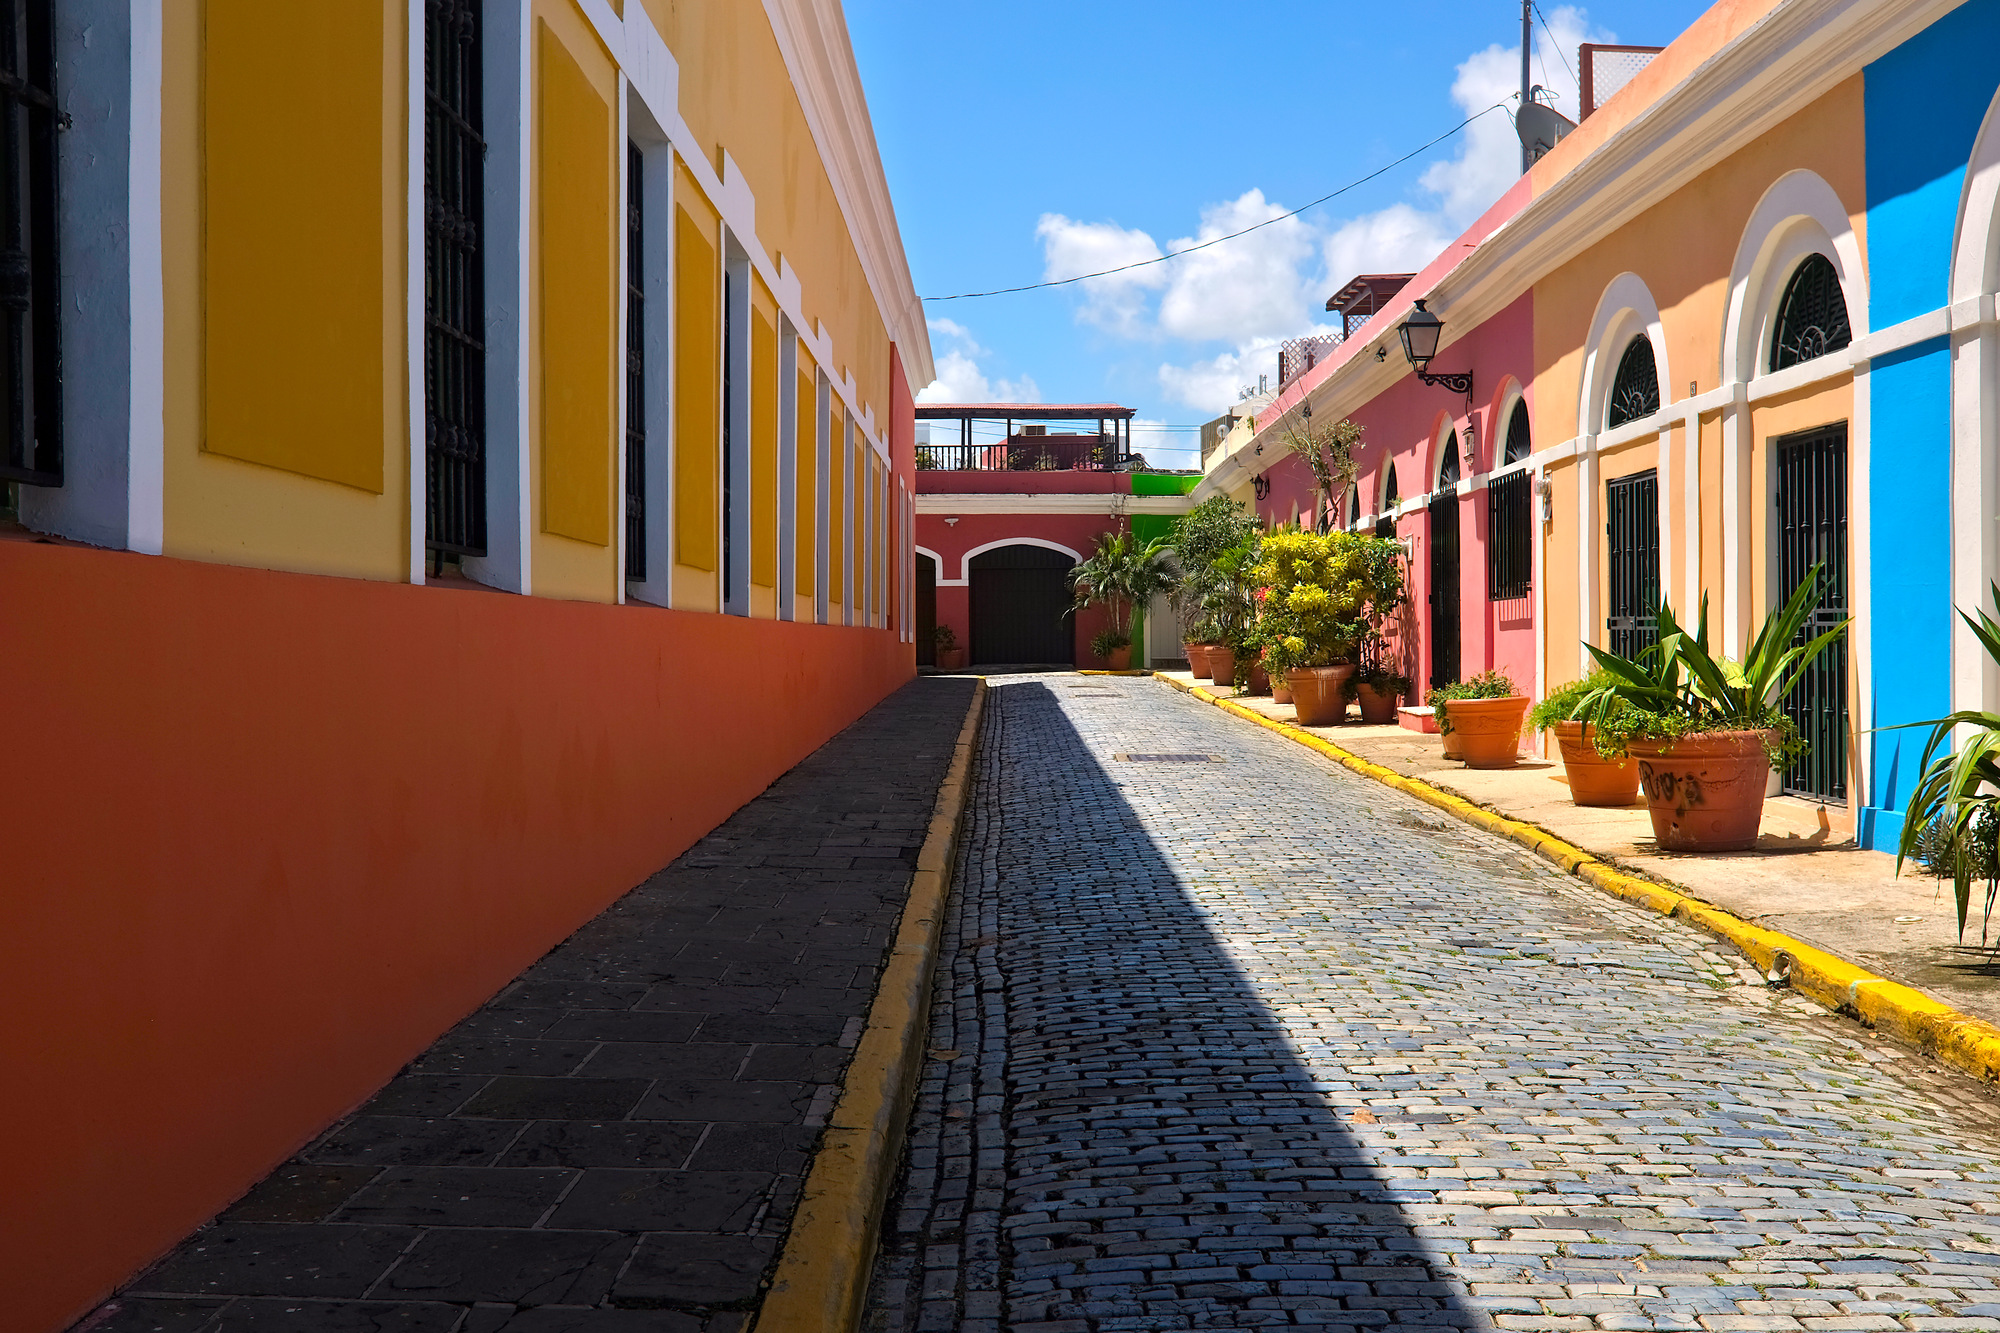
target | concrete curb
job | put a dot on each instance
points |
(1969, 1044)
(822, 1275)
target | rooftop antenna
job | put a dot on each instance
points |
(1527, 92)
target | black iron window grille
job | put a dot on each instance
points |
(635, 363)
(1635, 390)
(1812, 530)
(1510, 560)
(1812, 316)
(30, 304)
(454, 284)
(1632, 511)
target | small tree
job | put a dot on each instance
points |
(1124, 576)
(1323, 592)
(1328, 451)
(1204, 536)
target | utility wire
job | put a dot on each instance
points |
(1560, 53)
(1161, 259)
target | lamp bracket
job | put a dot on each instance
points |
(1456, 383)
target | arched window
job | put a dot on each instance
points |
(1518, 446)
(1510, 560)
(1635, 391)
(1812, 316)
(1385, 526)
(1353, 506)
(1448, 465)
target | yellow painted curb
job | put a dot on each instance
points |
(822, 1276)
(1932, 1026)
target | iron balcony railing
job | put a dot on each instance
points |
(1027, 453)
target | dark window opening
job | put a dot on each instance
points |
(1812, 530)
(30, 303)
(728, 437)
(1448, 465)
(1510, 559)
(1353, 506)
(635, 364)
(1632, 510)
(1518, 444)
(1812, 316)
(1635, 391)
(454, 283)
(1385, 525)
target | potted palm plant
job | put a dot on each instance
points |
(950, 657)
(1121, 576)
(1703, 729)
(1594, 779)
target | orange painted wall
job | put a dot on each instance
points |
(289, 828)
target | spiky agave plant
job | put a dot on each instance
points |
(1951, 819)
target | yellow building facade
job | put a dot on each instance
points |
(432, 405)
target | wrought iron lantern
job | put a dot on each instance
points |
(1420, 332)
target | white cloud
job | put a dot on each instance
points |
(1242, 289)
(1115, 302)
(958, 333)
(1251, 293)
(959, 380)
(1211, 385)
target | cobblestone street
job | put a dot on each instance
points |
(1225, 1037)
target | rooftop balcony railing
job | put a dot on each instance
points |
(1027, 453)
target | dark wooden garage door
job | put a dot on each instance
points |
(1019, 594)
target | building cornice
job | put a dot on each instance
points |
(812, 37)
(1775, 68)
(1095, 503)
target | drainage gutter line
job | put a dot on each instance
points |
(821, 1280)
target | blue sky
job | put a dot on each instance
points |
(1035, 140)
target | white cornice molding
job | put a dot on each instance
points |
(1779, 65)
(812, 36)
(979, 502)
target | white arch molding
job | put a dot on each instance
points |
(1625, 311)
(1975, 413)
(1441, 436)
(1799, 215)
(937, 561)
(964, 578)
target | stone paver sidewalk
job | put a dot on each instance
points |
(1226, 1037)
(616, 1141)
(1806, 878)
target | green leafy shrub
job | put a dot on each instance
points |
(1564, 700)
(1485, 685)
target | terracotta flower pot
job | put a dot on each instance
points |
(1119, 659)
(1489, 730)
(1593, 779)
(1377, 707)
(1197, 655)
(1260, 680)
(950, 659)
(1320, 694)
(1281, 692)
(1452, 745)
(1705, 792)
(1222, 665)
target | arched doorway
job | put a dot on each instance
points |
(1019, 597)
(926, 610)
(1444, 571)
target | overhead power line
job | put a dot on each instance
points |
(1218, 240)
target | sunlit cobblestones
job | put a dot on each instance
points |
(1259, 1044)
